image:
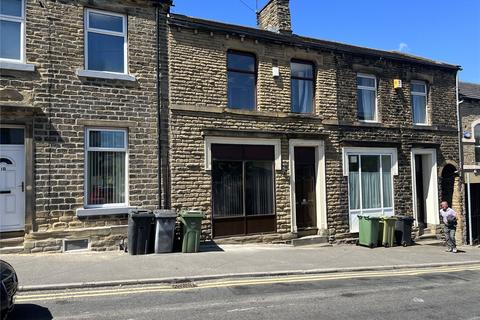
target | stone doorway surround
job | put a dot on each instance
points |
(321, 200)
(429, 156)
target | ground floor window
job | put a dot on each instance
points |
(370, 186)
(106, 167)
(243, 196)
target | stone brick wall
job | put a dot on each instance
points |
(275, 16)
(65, 104)
(198, 64)
(470, 114)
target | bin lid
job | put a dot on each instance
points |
(192, 214)
(389, 218)
(165, 213)
(140, 213)
(405, 218)
(368, 217)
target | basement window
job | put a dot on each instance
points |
(75, 245)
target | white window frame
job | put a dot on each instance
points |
(123, 34)
(369, 76)
(360, 151)
(22, 34)
(422, 94)
(88, 148)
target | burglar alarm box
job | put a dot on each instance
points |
(397, 83)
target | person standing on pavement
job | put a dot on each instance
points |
(450, 220)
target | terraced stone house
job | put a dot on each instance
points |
(111, 105)
(470, 116)
(278, 136)
(79, 112)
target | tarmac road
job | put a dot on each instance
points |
(436, 293)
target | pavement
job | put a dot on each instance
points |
(99, 269)
(411, 294)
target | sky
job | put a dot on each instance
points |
(443, 30)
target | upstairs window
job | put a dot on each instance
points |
(12, 30)
(105, 41)
(367, 98)
(302, 86)
(242, 77)
(419, 102)
(477, 143)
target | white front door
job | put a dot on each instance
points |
(12, 187)
(425, 187)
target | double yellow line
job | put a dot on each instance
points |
(117, 291)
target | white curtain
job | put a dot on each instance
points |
(106, 177)
(387, 181)
(419, 109)
(354, 189)
(302, 95)
(366, 104)
(371, 190)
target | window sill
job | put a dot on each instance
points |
(105, 75)
(422, 125)
(17, 66)
(369, 123)
(88, 212)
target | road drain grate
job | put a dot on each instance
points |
(184, 285)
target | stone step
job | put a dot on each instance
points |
(428, 236)
(429, 242)
(11, 242)
(10, 250)
(309, 240)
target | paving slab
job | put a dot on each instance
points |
(52, 269)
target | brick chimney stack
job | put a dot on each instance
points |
(275, 16)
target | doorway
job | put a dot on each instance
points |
(425, 188)
(421, 195)
(307, 187)
(12, 179)
(305, 182)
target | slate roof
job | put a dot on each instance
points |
(293, 39)
(469, 90)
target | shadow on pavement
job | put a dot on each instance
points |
(210, 246)
(29, 311)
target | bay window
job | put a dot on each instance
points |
(12, 30)
(105, 41)
(242, 189)
(370, 184)
(419, 102)
(106, 167)
(367, 98)
(302, 81)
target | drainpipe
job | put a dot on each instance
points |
(469, 200)
(159, 97)
(460, 149)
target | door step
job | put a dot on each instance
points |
(11, 242)
(429, 240)
(10, 250)
(309, 240)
